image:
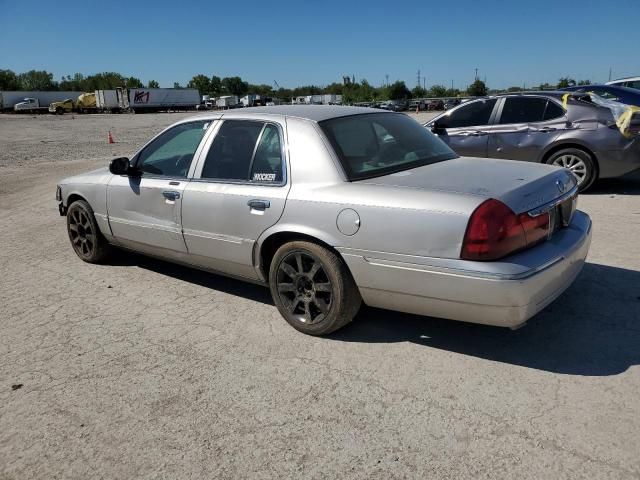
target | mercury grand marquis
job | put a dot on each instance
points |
(333, 206)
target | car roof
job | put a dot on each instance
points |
(315, 113)
(625, 79)
(633, 91)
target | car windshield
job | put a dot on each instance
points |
(376, 144)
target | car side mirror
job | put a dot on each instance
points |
(120, 166)
(438, 128)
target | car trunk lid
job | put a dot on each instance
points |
(522, 186)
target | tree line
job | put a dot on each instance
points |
(42, 80)
(351, 91)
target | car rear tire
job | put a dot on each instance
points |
(313, 288)
(579, 162)
(59, 111)
(84, 234)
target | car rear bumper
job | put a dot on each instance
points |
(617, 163)
(505, 293)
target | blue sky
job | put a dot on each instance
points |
(299, 43)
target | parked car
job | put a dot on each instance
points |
(435, 105)
(630, 82)
(417, 105)
(452, 102)
(537, 127)
(630, 96)
(334, 206)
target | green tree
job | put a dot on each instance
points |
(104, 81)
(438, 91)
(215, 86)
(9, 80)
(477, 89)
(37, 80)
(284, 94)
(584, 82)
(514, 89)
(201, 83)
(153, 84)
(398, 91)
(75, 83)
(263, 89)
(177, 85)
(133, 82)
(235, 86)
(565, 82)
(546, 86)
(334, 88)
(418, 92)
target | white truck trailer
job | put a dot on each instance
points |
(227, 101)
(39, 101)
(156, 99)
(114, 101)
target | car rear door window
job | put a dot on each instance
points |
(171, 153)
(267, 163)
(553, 111)
(472, 114)
(523, 110)
(231, 152)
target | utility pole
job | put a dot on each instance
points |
(424, 83)
(476, 78)
(419, 78)
(386, 80)
(452, 84)
(609, 73)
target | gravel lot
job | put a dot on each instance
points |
(142, 369)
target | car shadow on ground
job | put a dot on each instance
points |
(592, 329)
(220, 283)
(629, 185)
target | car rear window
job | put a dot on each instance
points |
(376, 144)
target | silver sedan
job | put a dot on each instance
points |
(334, 206)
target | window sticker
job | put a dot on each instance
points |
(264, 177)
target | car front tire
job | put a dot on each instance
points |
(579, 162)
(84, 234)
(313, 288)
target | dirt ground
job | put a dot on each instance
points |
(141, 369)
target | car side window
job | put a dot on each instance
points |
(553, 111)
(605, 94)
(267, 162)
(231, 152)
(634, 84)
(472, 114)
(171, 153)
(523, 110)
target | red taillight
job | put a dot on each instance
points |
(536, 229)
(495, 231)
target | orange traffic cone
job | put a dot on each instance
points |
(110, 138)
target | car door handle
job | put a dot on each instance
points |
(546, 130)
(474, 133)
(259, 204)
(171, 194)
